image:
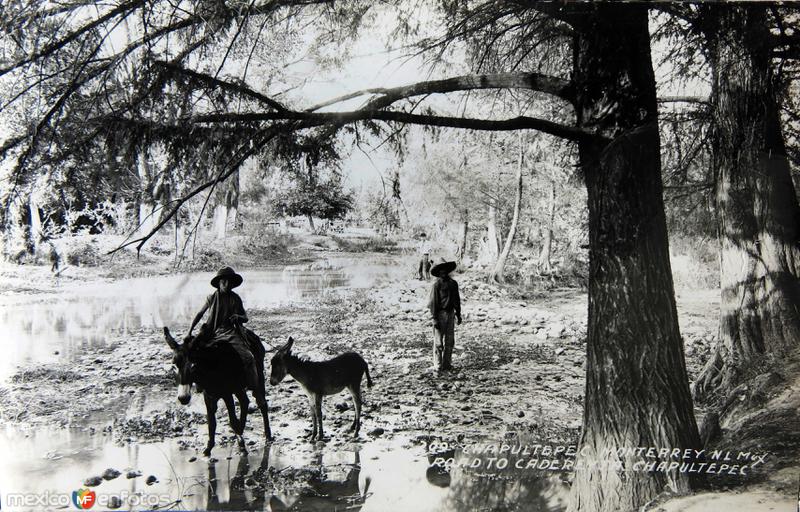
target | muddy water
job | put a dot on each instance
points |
(42, 468)
(48, 466)
(41, 329)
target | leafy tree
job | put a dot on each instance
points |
(592, 59)
(758, 217)
(310, 195)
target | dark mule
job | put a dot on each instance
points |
(320, 378)
(218, 371)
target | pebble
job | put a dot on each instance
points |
(110, 474)
(151, 480)
(376, 432)
(93, 481)
(133, 474)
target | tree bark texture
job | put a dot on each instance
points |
(492, 246)
(499, 267)
(547, 244)
(758, 212)
(637, 392)
(464, 242)
(227, 205)
(154, 190)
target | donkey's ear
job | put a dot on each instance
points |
(288, 346)
(170, 340)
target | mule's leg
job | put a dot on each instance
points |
(244, 403)
(313, 417)
(237, 428)
(231, 413)
(355, 391)
(318, 409)
(211, 416)
(261, 400)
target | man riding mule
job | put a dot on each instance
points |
(220, 359)
(225, 326)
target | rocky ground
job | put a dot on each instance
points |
(520, 368)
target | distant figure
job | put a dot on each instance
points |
(55, 259)
(445, 307)
(425, 262)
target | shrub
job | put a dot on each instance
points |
(206, 259)
(84, 253)
(372, 244)
(695, 263)
(268, 245)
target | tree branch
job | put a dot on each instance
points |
(555, 86)
(684, 99)
(74, 35)
(222, 84)
(337, 118)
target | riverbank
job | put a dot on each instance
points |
(520, 372)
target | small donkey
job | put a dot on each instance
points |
(320, 378)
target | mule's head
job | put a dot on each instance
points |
(180, 358)
(278, 363)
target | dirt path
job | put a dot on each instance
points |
(520, 366)
(520, 370)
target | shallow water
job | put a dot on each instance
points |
(372, 476)
(40, 329)
(41, 468)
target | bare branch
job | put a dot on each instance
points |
(685, 99)
(555, 86)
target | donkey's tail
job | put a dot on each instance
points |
(366, 370)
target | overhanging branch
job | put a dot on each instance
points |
(222, 84)
(340, 118)
(547, 84)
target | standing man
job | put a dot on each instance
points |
(425, 261)
(445, 307)
(55, 259)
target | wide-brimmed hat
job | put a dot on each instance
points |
(227, 273)
(444, 268)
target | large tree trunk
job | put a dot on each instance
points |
(36, 231)
(758, 213)
(492, 247)
(227, 205)
(148, 210)
(464, 242)
(637, 392)
(547, 244)
(500, 265)
(155, 189)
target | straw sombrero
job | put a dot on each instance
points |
(444, 268)
(227, 273)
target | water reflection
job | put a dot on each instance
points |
(83, 318)
(486, 489)
(331, 488)
(378, 475)
(240, 492)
